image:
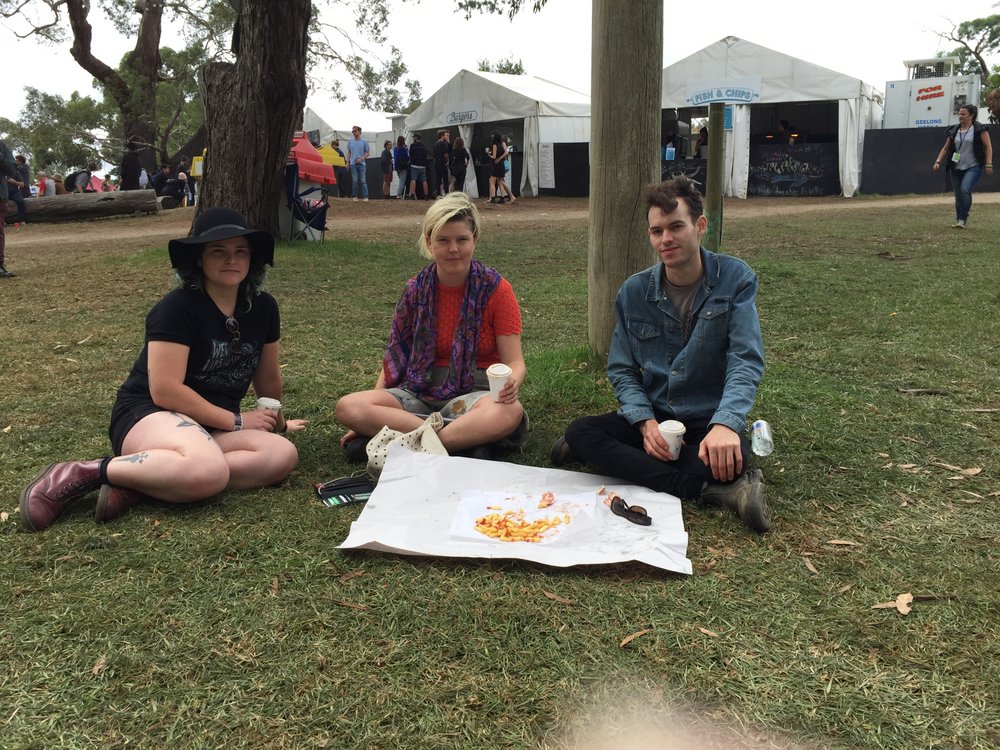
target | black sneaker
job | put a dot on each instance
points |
(356, 450)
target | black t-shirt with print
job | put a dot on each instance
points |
(214, 371)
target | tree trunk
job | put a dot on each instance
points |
(252, 108)
(626, 74)
(83, 206)
(136, 98)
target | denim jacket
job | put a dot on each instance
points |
(714, 376)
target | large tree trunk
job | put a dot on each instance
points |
(252, 108)
(83, 206)
(136, 97)
(626, 73)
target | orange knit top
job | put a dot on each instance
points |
(501, 318)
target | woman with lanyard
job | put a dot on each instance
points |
(968, 151)
(178, 430)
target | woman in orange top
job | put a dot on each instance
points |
(455, 318)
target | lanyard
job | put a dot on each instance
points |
(960, 136)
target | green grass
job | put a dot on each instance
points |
(224, 625)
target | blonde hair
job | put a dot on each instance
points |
(453, 207)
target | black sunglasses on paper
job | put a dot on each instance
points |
(634, 513)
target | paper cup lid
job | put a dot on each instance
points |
(672, 425)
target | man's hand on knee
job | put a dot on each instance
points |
(722, 453)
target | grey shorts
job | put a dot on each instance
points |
(454, 408)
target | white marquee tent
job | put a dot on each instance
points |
(551, 113)
(783, 79)
(334, 120)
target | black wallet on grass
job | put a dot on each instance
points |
(345, 491)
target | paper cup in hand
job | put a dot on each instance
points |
(673, 432)
(274, 405)
(498, 375)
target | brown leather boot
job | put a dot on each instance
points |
(54, 488)
(747, 497)
(113, 502)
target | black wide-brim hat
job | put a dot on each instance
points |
(215, 224)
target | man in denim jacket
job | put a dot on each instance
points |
(686, 346)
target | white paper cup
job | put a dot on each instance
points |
(274, 405)
(498, 375)
(673, 432)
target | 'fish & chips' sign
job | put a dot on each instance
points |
(743, 90)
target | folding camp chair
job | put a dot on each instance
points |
(308, 213)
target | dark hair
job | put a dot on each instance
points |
(416, 136)
(401, 141)
(459, 143)
(667, 195)
(496, 137)
(191, 276)
(20, 159)
(387, 144)
(972, 109)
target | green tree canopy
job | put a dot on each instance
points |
(505, 65)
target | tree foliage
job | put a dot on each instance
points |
(499, 7)
(977, 39)
(505, 65)
(60, 134)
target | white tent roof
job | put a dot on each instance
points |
(334, 120)
(783, 78)
(503, 97)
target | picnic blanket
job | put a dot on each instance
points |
(432, 505)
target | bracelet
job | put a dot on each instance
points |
(237, 421)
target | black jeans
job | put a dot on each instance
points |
(443, 178)
(610, 443)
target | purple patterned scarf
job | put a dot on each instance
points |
(413, 339)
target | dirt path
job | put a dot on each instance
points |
(380, 220)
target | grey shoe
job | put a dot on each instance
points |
(747, 496)
(560, 455)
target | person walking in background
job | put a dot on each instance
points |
(23, 175)
(459, 163)
(386, 162)
(497, 152)
(131, 167)
(418, 167)
(358, 152)
(401, 159)
(8, 169)
(341, 170)
(177, 431)
(442, 151)
(507, 181)
(15, 185)
(969, 151)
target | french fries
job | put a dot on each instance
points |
(510, 526)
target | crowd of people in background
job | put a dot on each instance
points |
(423, 172)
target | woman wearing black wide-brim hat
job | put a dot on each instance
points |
(177, 429)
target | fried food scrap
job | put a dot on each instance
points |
(611, 496)
(492, 507)
(510, 526)
(547, 499)
(603, 490)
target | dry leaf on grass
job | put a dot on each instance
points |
(353, 574)
(638, 634)
(274, 586)
(4, 516)
(949, 467)
(557, 598)
(844, 542)
(8, 428)
(809, 566)
(971, 472)
(845, 588)
(100, 665)
(709, 633)
(350, 605)
(901, 604)
(84, 341)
